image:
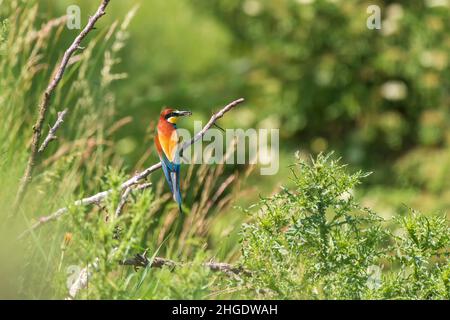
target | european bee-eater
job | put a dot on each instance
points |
(166, 142)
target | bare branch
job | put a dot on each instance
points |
(126, 194)
(211, 122)
(52, 132)
(45, 102)
(123, 201)
(142, 261)
(144, 186)
(97, 198)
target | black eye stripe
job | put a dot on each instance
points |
(172, 114)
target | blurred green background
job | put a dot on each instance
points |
(312, 68)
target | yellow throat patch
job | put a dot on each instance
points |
(173, 120)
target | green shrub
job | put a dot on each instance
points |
(422, 255)
(317, 241)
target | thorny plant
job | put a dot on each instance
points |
(317, 241)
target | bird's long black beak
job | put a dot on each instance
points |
(183, 113)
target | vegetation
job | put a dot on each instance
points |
(310, 68)
(316, 241)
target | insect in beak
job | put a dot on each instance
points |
(183, 113)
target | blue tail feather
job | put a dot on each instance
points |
(172, 174)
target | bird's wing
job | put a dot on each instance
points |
(169, 145)
(172, 173)
(171, 169)
(175, 178)
(166, 172)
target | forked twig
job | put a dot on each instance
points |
(126, 194)
(45, 102)
(52, 132)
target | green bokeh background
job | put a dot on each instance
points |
(311, 68)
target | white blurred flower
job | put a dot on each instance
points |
(252, 7)
(394, 13)
(394, 90)
(434, 59)
(437, 3)
(271, 122)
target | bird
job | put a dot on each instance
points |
(166, 143)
